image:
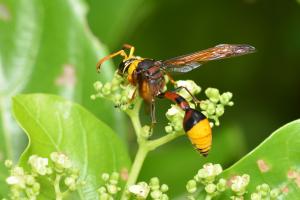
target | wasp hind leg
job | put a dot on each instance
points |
(152, 112)
(195, 99)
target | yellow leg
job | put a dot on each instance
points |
(121, 52)
(128, 46)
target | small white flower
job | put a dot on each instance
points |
(239, 183)
(14, 180)
(38, 164)
(209, 172)
(17, 177)
(191, 86)
(141, 190)
(174, 110)
(61, 160)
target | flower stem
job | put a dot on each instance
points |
(144, 146)
(153, 144)
(58, 193)
(136, 168)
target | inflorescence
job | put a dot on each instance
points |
(207, 179)
(123, 95)
(58, 170)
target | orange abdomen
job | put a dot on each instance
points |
(198, 129)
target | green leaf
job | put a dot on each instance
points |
(272, 161)
(46, 46)
(55, 124)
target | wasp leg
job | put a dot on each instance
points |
(128, 46)
(100, 62)
(195, 99)
(152, 112)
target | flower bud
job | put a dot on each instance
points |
(29, 180)
(219, 110)
(263, 189)
(210, 188)
(8, 163)
(70, 181)
(106, 90)
(61, 161)
(156, 194)
(112, 189)
(168, 129)
(213, 94)
(39, 165)
(98, 85)
(256, 196)
(225, 98)
(164, 188)
(114, 178)
(105, 176)
(154, 183)
(191, 186)
(105, 196)
(211, 108)
(221, 185)
(101, 190)
(164, 197)
(274, 193)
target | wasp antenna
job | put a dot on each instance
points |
(121, 52)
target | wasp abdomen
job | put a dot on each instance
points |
(198, 129)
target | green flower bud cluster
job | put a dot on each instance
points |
(156, 191)
(206, 176)
(116, 91)
(264, 192)
(24, 184)
(175, 116)
(63, 168)
(110, 188)
(239, 185)
(214, 106)
(191, 86)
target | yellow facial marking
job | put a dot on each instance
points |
(132, 67)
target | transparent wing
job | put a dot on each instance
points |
(191, 61)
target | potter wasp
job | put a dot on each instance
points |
(148, 75)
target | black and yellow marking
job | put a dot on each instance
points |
(198, 129)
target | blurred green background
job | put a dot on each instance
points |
(266, 85)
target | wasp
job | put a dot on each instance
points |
(148, 75)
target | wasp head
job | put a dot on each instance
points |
(124, 66)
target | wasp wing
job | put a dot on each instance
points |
(191, 61)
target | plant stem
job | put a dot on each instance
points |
(145, 146)
(136, 168)
(153, 144)
(58, 194)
